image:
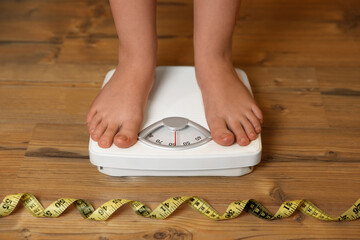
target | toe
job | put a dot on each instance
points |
(241, 137)
(254, 121)
(249, 129)
(94, 123)
(220, 133)
(128, 134)
(99, 130)
(107, 138)
(90, 115)
(256, 110)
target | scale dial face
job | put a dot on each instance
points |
(175, 133)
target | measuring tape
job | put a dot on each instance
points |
(167, 207)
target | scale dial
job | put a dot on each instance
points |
(175, 133)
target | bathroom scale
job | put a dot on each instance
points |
(175, 139)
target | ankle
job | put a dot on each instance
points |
(211, 61)
(214, 65)
(203, 54)
(138, 56)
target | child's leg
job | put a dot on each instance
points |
(117, 112)
(228, 103)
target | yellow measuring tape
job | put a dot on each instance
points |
(167, 207)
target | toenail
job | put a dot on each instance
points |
(252, 134)
(95, 136)
(225, 135)
(243, 140)
(91, 130)
(103, 142)
(123, 138)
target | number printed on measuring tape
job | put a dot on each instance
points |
(167, 207)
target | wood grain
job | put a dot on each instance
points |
(54, 75)
(340, 88)
(14, 139)
(27, 104)
(302, 59)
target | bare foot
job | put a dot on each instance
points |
(116, 114)
(231, 111)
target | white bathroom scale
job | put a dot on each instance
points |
(175, 138)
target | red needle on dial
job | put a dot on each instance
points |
(175, 138)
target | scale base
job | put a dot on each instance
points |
(233, 172)
(176, 94)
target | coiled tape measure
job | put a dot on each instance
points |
(167, 207)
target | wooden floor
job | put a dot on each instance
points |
(302, 58)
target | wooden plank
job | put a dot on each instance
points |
(294, 52)
(89, 50)
(60, 74)
(340, 89)
(20, 31)
(309, 145)
(31, 104)
(93, 28)
(29, 52)
(174, 19)
(342, 111)
(296, 5)
(44, 21)
(281, 79)
(283, 109)
(14, 139)
(59, 140)
(175, 51)
(331, 79)
(13, 9)
(326, 21)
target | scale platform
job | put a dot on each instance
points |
(175, 138)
